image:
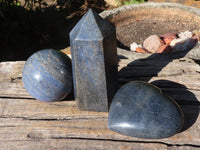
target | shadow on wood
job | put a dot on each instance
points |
(151, 65)
(190, 108)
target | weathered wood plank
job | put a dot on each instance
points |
(10, 80)
(33, 109)
(77, 144)
(24, 122)
(85, 144)
(32, 119)
(132, 66)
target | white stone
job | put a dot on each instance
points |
(134, 45)
(185, 35)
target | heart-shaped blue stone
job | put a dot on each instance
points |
(141, 110)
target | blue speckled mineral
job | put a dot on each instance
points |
(94, 62)
(47, 75)
(141, 110)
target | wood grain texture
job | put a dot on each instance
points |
(77, 144)
(26, 123)
(25, 119)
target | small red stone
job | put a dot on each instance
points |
(168, 37)
(141, 50)
(164, 49)
(152, 43)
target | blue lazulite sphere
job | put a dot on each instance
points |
(47, 75)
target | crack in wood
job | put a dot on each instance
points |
(55, 119)
(11, 98)
(128, 141)
(7, 126)
(12, 80)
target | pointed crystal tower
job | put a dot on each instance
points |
(94, 62)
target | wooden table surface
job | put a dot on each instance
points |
(26, 123)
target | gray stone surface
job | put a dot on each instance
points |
(195, 52)
(140, 110)
(94, 62)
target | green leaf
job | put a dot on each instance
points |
(18, 4)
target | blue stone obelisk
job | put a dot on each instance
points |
(94, 62)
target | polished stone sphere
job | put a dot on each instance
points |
(47, 75)
(141, 110)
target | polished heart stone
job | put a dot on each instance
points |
(141, 110)
(47, 75)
